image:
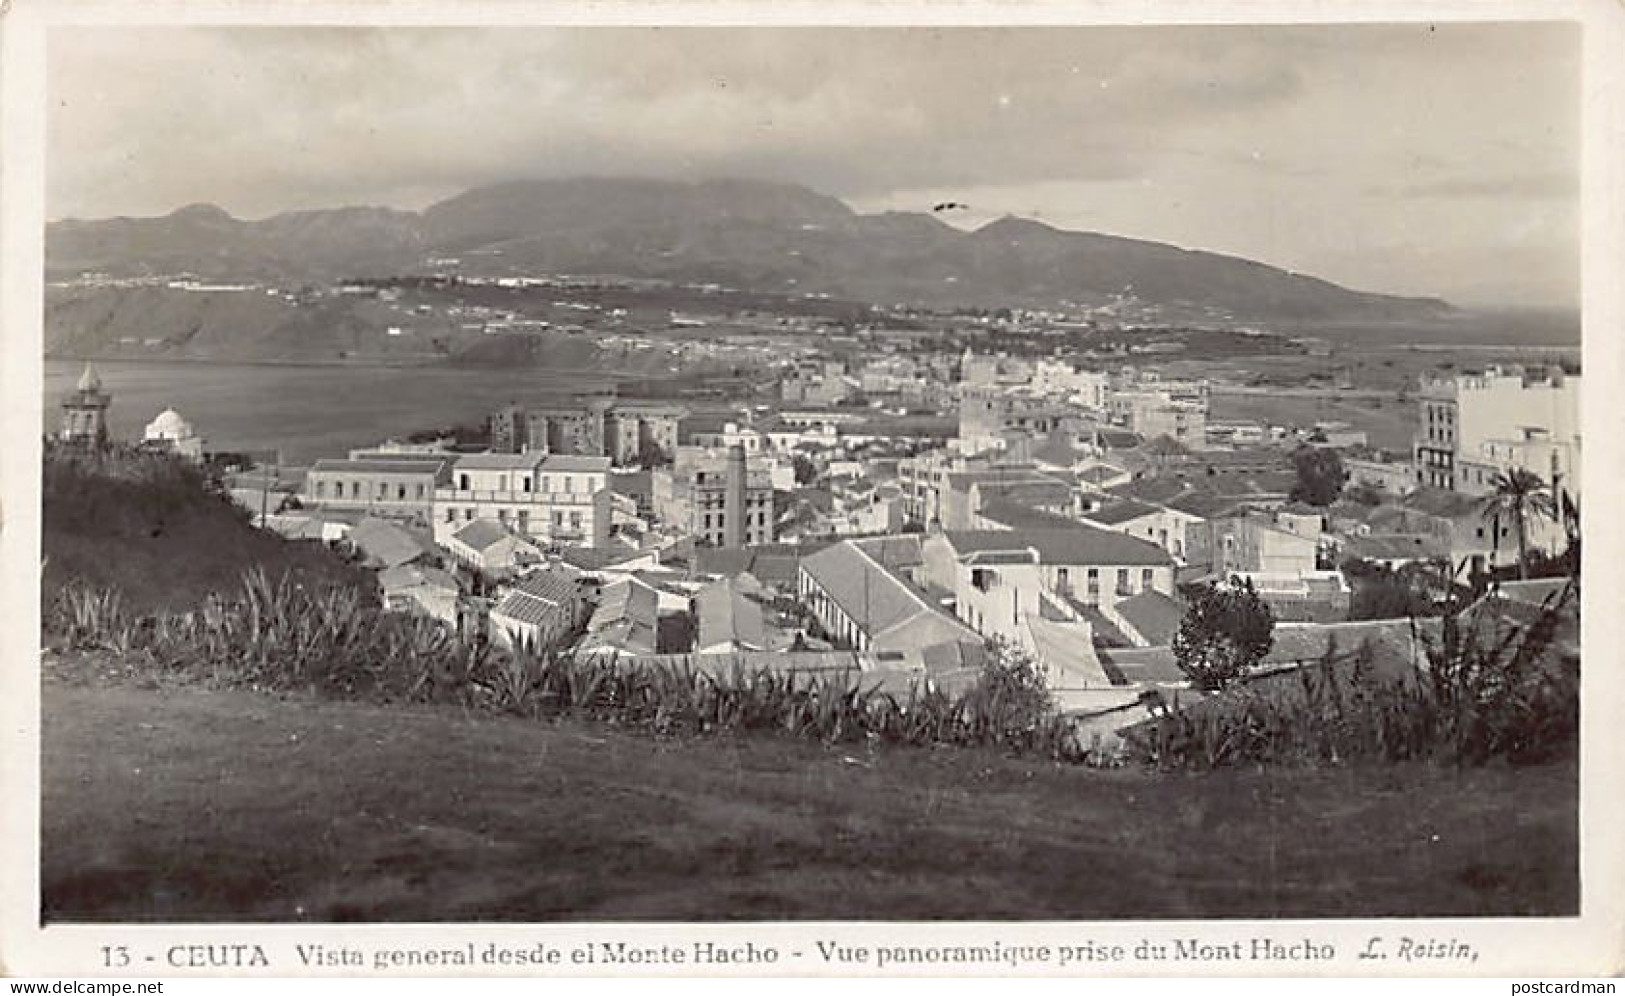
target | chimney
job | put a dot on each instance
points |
(733, 500)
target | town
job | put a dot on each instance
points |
(889, 513)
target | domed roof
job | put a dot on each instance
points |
(90, 380)
(169, 425)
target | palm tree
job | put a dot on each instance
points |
(1517, 494)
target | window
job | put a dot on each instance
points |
(451, 514)
(1145, 579)
(568, 484)
(321, 489)
(383, 490)
(1122, 581)
(502, 515)
(524, 520)
(400, 491)
(468, 514)
(1062, 580)
(419, 492)
(575, 520)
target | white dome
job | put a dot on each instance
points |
(169, 425)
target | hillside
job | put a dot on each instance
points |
(149, 529)
(747, 235)
(186, 806)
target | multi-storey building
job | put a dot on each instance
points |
(398, 486)
(1436, 435)
(627, 432)
(716, 498)
(556, 497)
(1474, 427)
(987, 415)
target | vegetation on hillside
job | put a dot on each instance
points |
(1489, 690)
(297, 621)
(161, 532)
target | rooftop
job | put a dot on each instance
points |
(379, 465)
(481, 534)
(500, 461)
(872, 595)
(1156, 616)
(565, 462)
(1080, 544)
(1118, 512)
(728, 616)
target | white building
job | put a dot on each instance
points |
(174, 433)
(559, 498)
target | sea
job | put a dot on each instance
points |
(303, 412)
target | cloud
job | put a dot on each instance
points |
(1522, 186)
(1253, 140)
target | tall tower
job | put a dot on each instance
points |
(84, 412)
(733, 500)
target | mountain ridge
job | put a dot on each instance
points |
(753, 234)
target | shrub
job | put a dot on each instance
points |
(1224, 633)
(1487, 691)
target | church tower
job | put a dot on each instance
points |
(84, 412)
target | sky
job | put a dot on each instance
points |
(1422, 159)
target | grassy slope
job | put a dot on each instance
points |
(202, 806)
(163, 543)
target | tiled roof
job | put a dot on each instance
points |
(1156, 616)
(1404, 546)
(893, 551)
(379, 466)
(572, 463)
(726, 615)
(1033, 492)
(1114, 439)
(1082, 544)
(1140, 665)
(1119, 512)
(1100, 473)
(1015, 515)
(597, 558)
(412, 575)
(875, 598)
(524, 608)
(481, 534)
(1161, 490)
(627, 619)
(387, 543)
(553, 584)
(500, 461)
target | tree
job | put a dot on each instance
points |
(806, 471)
(1320, 475)
(1225, 632)
(1517, 494)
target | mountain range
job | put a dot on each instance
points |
(749, 235)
